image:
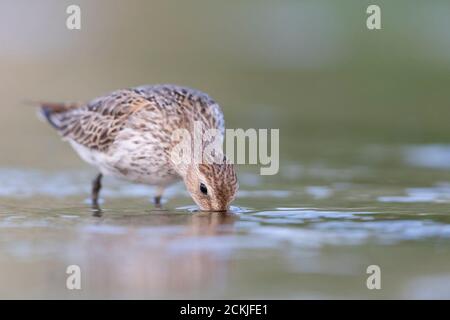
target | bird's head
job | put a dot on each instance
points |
(212, 186)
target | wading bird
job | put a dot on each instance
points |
(128, 134)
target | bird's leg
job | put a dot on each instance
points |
(158, 196)
(96, 186)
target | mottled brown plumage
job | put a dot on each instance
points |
(128, 134)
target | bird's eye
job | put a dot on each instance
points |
(203, 189)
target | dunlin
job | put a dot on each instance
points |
(128, 134)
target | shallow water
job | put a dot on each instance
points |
(327, 226)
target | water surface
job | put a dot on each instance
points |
(311, 235)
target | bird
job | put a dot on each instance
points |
(128, 134)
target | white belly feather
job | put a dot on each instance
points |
(134, 158)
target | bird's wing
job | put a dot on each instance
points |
(96, 124)
(200, 105)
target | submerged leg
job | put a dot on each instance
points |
(96, 186)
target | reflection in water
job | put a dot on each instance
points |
(330, 228)
(140, 255)
(210, 224)
(148, 261)
(96, 210)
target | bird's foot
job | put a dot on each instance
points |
(96, 209)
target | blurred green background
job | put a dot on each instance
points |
(310, 68)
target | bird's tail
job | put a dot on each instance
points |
(52, 112)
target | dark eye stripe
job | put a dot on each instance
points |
(203, 189)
